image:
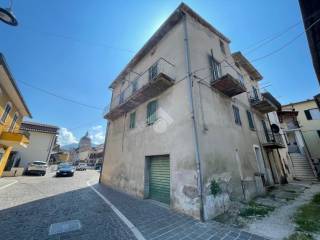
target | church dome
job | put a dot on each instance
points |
(85, 142)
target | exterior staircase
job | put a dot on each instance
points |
(302, 168)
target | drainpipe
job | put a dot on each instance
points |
(195, 131)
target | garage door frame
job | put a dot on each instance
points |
(147, 179)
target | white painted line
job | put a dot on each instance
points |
(8, 185)
(133, 228)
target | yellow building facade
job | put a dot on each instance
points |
(309, 122)
(12, 110)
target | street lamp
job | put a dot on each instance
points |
(7, 16)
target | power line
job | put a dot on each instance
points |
(274, 37)
(287, 43)
(260, 44)
(74, 39)
(60, 97)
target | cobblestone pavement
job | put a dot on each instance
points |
(158, 223)
(30, 206)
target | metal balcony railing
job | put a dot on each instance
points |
(227, 79)
(156, 79)
(272, 140)
(263, 102)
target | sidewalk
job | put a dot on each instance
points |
(156, 222)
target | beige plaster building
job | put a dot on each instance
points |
(187, 117)
(301, 122)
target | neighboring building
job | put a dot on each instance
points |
(12, 110)
(186, 114)
(63, 157)
(85, 152)
(301, 122)
(41, 141)
(96, 155)
(84, 148)
(310, 10)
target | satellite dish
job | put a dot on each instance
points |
(275, 128)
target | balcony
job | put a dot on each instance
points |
(228, 85)
(272, 140)
(264, 104)
(157, 79)
(15, 138)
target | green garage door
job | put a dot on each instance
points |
(160, 179)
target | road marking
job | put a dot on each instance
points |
(133, 228)
(63, 227)
(8, 185)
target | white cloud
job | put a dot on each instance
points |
(96, 128)
(66, 137)
(97, 134)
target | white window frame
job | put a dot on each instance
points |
(6, 114)
(14, 122)
(315, 113)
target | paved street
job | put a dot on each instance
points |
(29, 206)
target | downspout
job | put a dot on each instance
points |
(195, 131)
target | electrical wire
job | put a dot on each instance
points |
(269, 39)
(74, 39)
(60, 97)
(287, 43)
(262, 43)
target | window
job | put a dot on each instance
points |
(265, 129)
(236, 114)
(121, 99)
(250, 120)
(240, 77)
(6, 112)
(134, 85)
(222, 47)
(255, 93)
(132, 123)
(153, 71)
(152, 112)
(216, 68)
(14, 121)
(312, 114)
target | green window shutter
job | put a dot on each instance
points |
(308, 114)
(152, 112)
(236, 113)
(215, 68)
(132, 120)
(250, 119)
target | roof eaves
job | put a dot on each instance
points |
(245, 63)
(171, 21)
(13, 82)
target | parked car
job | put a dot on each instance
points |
(64, 169)
(98, 166)
(37, 167)
(81, 167)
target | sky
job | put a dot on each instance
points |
(76, 48)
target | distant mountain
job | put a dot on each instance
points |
(69, 146)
